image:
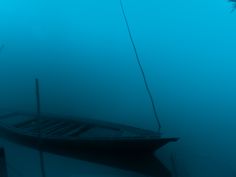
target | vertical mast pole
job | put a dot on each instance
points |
(42, 165)
(3, 163)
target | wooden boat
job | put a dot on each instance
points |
(82, 134)
(111, 144)
(115, 145)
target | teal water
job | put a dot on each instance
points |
(83, 57)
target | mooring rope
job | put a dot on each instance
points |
(141, 68)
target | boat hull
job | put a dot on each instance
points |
(126, 152)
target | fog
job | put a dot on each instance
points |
(83, 57)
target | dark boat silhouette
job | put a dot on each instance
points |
(111, 144)
(84, 134)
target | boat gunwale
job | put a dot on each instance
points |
(89, 121)
(79, 138)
